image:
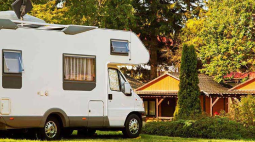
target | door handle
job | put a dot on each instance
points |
(110, 96)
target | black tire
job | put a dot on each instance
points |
(54, 130)
(136, 123)
(87, 132)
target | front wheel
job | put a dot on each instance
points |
(133, 126)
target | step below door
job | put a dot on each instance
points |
(96, 114)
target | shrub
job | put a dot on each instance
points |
(188, 104)
(209, 127)
(243, 111)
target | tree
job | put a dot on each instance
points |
(224, 37)
(188, 104)
(112, 14)
(50, 13)
(154, 21)
(6, 5)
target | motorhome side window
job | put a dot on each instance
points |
(12, 69)
(12, 61)
(79, 72)
(116, 80)
(119, 47)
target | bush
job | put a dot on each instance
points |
(209, 127)
(243, 111)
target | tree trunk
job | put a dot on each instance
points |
(188, 5)
(153, 60)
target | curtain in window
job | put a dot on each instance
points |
(146, 107)
(79, 68)
(114, 80)
(152, 110)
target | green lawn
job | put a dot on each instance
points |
(117, 137)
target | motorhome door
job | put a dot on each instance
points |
(119, 104)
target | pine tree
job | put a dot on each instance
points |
(188, 105)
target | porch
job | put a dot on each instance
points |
(159, 107)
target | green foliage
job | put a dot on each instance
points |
(112, 14)
(224, 37)
(188, 104)
(50, 13)
(6, 5)
(208, 127)
(154, 21)
(243, 111)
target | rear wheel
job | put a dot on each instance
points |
(133, 126)
(51, 130)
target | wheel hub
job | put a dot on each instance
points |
(133, 126)
(51, 129)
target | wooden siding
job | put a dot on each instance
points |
(165, 83)
(247, 86)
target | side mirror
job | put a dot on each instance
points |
(127, 89)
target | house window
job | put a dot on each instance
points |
(12, 61)
(150, 108)
(119, 47)
(79, 72)
(12, 67)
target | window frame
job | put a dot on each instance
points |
(119, 53)
(11, 80)
(119, 75)
(82, 56)
(3, 62)
(78, 85)
(148, 108)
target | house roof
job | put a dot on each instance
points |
(242, 84)
(206, 84)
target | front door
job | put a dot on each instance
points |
(119, 104)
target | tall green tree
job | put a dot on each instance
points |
(155, 21)
(188, 104)
(224, 37)
(112, 14)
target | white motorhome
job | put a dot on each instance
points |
(60, 78)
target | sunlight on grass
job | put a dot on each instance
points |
(109, 136)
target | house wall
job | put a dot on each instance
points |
(222, 104)
(165, 83)
(247, 86)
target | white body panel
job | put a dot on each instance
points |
(42, 53)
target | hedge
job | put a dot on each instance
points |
(209, 127)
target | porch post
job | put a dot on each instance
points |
(229, 103)
(211, 106)
(156, 107)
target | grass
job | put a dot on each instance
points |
(110, 136)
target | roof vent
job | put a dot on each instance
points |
(12, 16)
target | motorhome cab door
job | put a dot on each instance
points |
(119, 104)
